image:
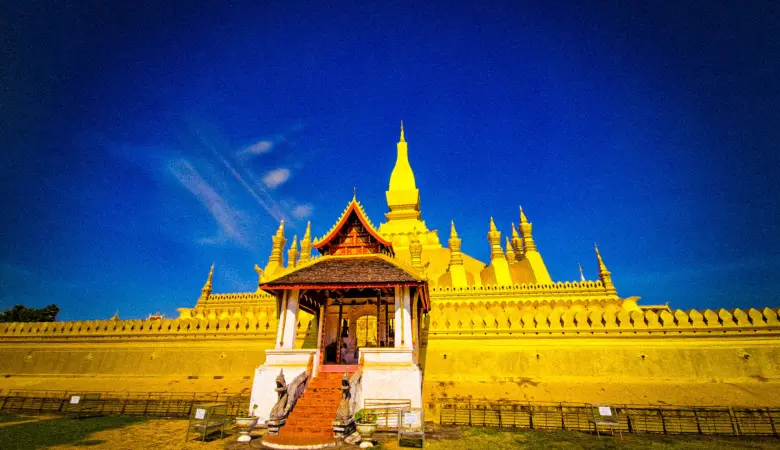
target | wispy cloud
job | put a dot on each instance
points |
(302, 212)
(274, 178)
(226, 217)
(258, 148)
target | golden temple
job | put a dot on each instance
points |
(393, 296)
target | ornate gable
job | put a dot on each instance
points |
(353, 234)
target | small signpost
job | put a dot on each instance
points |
(606, 416)
(411, 427)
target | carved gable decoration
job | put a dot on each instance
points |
(353, 234)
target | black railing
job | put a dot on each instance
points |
(632, 418)
(160, 404)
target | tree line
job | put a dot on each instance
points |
(21, 313)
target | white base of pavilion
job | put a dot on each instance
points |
(291, 362)
(390, 374)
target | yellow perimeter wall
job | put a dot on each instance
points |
(509, 351)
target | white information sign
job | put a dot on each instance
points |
(200, 413)
(74, 400)
(411, 419)
(605, 411)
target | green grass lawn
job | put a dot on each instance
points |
(23, 432)
(455, 438)
(28, 432)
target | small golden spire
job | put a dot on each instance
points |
(510, 252)
(206, 291)
(456, 257)
(354, 193)
(525, 231)
(402, 132)
(602, 266)
(211, 276)
(604, 274)
(292, 253)
(278, 244)
(582, 275)
(115, 317)
(494, 237)
(517, 242)
(307, 235)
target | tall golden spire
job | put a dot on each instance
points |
(510, 252)
(403, 201)
(604, 274)
(292, 253)
(494, 237)
(402, 177)
(306, 245)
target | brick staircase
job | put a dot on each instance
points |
(310, 424)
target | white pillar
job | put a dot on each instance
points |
(291, 320)
(320, 348)
(281, 319)
(398, 310)
(415, 320)
(403, 318)
(407, 318)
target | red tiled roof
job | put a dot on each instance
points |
(346, 271)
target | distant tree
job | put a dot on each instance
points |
(20, 313)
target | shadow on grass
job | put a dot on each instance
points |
(64, 430)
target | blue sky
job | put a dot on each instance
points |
(141, 143)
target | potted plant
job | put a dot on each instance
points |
(245, 422)
(365, 420)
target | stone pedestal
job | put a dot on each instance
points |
(343, 429)
(274, 426)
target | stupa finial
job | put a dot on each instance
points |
(402, 132)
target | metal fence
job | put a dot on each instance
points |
(632, 418)
(161, 404)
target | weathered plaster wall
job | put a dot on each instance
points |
(593, 352)
(183, 354)
(479, 346)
